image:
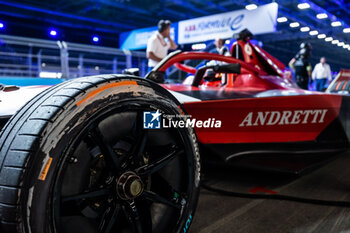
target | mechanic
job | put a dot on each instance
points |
(221, 48)
(159, 44)
(321, 73)
(301, 65)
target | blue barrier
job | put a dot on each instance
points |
(22, 81)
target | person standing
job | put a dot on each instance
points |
(158, 46)
(221, 48)
(321, 73)
(301, 66)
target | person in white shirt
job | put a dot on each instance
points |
(158, 46)
(321, 73)
(221, 48)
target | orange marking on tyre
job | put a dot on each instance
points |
(44, 172)
(105, 87)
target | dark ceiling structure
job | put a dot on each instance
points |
(79, 19)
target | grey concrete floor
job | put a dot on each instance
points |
(217, 213)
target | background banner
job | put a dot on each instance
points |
(258, 21)
(224, 25)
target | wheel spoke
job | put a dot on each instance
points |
(106, 149)
(133, 217)
(139, 146)
(167, 191)
(149, 169)
(140, 136)
(87, 195)
(151, 196)
(112, 219)
(145, 215)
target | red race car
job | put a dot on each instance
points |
(120, 153)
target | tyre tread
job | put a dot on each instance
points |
(23, 132)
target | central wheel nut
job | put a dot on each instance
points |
(129, 186)
(136, 188)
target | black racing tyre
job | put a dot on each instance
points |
(77, 159)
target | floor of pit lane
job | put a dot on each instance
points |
(218, 213)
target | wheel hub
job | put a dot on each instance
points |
(129, 186)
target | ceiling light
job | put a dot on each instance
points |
(303, 6)
(321, 36)
(336, 24)
(199, 46)
(335, 41)
(294, 25)
(322, 16)
(313, 33)
(2, 25)
(305, 29)
(340, 44)
(346, 46)
(328, 39)
(53, 33)
(282, 19)
(95, 39)
(346, 30)
(251, 7)
(50, 74)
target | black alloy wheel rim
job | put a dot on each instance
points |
(129, 188)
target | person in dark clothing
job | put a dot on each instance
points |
(301, 66)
